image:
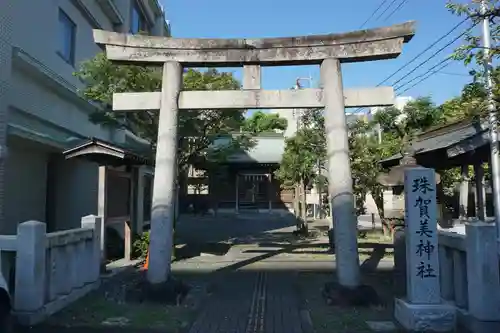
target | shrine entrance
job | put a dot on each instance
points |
(253, 192)
(328, 51)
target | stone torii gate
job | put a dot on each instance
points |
(328, 51)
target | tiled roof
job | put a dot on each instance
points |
(443, 138)
(268, 149)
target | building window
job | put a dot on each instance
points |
(67, 35)
(139, 22)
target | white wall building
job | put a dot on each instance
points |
(41, 44)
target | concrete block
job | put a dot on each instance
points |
(483, 275)
(425, 317)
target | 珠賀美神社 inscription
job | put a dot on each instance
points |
(425, 248)
(422, 240)
(328, 51)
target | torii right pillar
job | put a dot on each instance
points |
(339, 176)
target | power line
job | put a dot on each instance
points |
(419, 76)
(435, 54)
(420, 54)
(454, 74)
(373, 14)
(423, 52)
(386, 9)
(396, 9)
(425, 78)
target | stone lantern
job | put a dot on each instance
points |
(394, 199)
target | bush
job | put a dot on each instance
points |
(140, 245)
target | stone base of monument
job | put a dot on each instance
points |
(171, 292)
(425, 317)
(363, 295)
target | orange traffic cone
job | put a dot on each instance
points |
(146, 263)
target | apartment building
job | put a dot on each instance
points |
(42, 43)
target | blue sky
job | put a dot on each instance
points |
(281, 18)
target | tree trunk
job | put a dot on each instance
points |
(320, 205)
(378, 197)
(296, 204)
(304, 207)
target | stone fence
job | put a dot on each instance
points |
(53, 269)
(469, 274)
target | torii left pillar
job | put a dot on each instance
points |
(340, 176)
(163, 208)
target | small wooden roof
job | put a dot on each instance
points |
(448, 146)
(106, 153)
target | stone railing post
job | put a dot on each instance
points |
(29, 294)
(127, 240)
(94, 222)
(102, 209)
(482, 271)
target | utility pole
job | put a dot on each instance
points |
(379, 133)
(492, 118)
(299, 86)
(299, 124)
(320, 189)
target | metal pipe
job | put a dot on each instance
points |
(492, 118)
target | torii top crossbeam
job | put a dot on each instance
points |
(362, 45)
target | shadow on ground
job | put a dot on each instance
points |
(207, 235)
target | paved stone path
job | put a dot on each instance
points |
(251, 302)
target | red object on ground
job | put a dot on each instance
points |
(146, 263)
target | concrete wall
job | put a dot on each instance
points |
(36, 32)
(6, 29)
(25, 184)
(75, 189)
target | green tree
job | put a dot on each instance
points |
(304, 152)
(420, 115)
(399, 128)
(471, 52)
(197, 128)
(365, 153)
(402, 125)
(261, 122)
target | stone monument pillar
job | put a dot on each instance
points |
(423, 308)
